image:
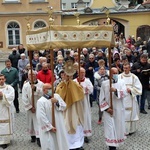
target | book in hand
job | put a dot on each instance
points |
(146, 72)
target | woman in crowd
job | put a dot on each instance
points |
(99, 76)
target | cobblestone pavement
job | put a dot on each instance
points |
(138, 141)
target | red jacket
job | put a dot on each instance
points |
(45, 77)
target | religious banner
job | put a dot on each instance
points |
(70, 37)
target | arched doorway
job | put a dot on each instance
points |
(118, 27)
(143, 32)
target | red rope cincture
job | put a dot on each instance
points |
(114, 141)
(104, 105)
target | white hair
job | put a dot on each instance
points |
(33, 72)
(23, 54)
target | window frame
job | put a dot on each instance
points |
(39, 20)
(13, 34)
(74, 4)
(87, 4)
(38, 1)
(63, 5)
(11, 1)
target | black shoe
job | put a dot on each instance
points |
(33, 139)
(131, 133)
(81, 148)
(143, 112)
(86, 140)
(38, 142)
(112, 148)
(17, 111)
(149, 107)
(4, 146)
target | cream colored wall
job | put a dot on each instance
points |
(22, 23)
(26, 6)
(20, 13)
(102, 3)
(135, 20)
(131, 21)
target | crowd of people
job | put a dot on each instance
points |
(127, 80)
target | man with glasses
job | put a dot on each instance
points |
(90, 67)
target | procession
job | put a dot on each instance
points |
(76, 87)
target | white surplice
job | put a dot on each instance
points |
(114, 126)
(50, 140)
(130, 101)
(6, 113)
(88, 89)
(32, 124)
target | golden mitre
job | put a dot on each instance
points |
(69, 68)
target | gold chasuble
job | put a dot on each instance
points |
(72, 93)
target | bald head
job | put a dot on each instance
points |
(82, 69)
(82, 73)
(114, 70)
(114, 74)
(46, 87)
(33, 72)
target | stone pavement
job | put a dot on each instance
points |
(138, 141)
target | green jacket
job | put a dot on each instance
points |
(11, 77)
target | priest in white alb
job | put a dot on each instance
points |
(134, 88)
(37, 86)
(114, 117)
(72, 93)
(52, 137)
(6, 112)
(88, 89)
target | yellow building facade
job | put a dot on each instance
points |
(131, 21)
(14, 16)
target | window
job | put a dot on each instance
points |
(13, 30)
(38, 0)
(11, 1)
(39, 24)
(87, 4)
(63, 6)
(73, 5)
